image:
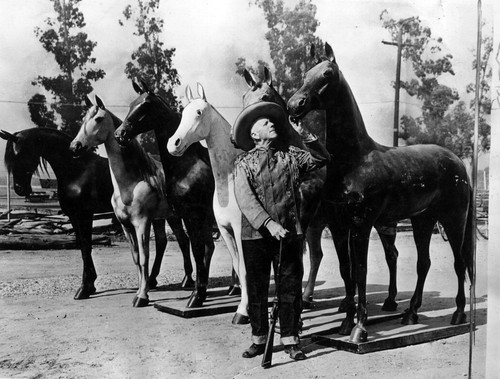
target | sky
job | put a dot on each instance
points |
(209, 37)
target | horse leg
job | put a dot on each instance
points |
(175, 223)
(143, 233)
(456, 233)
(359, 239)
(200, 234)
(161, 245)
(340, 236)
(388, 238)
(313, 237)
(241, 316)
(231, 236)
(423, 226)
(131, 236)
(235, 288)
(82, 225)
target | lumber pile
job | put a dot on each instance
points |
(36, 231)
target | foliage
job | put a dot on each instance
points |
(485, 75)
(438, 124)
(291, 32)
(72, 52)
(41, 115)
(151, 62)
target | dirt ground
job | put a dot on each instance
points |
(46, 334)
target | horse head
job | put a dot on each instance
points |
(95, 127)
(319, 84)
(145, 113)
(261, 91)
(21, 160)
(195, 123)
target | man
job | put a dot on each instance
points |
(267, 180)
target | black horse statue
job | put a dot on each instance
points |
(84, 188)
(370, 185)
(189, 180)
(313, 215)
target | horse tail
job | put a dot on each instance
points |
(468, 243)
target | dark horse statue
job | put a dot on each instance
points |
(313, 215)
(189, 180)
(83, 186)
(370, 185)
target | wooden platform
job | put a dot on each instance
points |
(387, 332)
(321, 324)
(217, 302)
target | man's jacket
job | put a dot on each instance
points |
(267, 182)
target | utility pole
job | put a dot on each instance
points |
(397, 85)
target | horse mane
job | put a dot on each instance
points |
(36, 135)
(136, 157)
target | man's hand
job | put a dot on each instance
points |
(276, 230)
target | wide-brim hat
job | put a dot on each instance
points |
(240, 132)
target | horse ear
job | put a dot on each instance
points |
(99, 102)
(137, 87)
(249, 78)
(329, 53)
(189, 94)
(88, 102)
(8, 136)
(145, 87)
(268, 78)
(201, 91)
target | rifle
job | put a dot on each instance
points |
(273, 317)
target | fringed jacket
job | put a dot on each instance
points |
(267, 182)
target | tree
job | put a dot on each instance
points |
(291, 32)
(72, 51)
(151, 61)
(428, 62)
(485, 73)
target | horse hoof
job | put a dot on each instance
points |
(141, 302)
(389, 305)
(234, 291)
(239, 319)
(197, 298)
(153, 284)
(358, 335)
(134, 300)
(187, 282)
(458, 318)
(346, 305)
(409, 318)
(84, 293)
(346, 327)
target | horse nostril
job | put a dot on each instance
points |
(177, 142)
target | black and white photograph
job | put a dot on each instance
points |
(249, 189)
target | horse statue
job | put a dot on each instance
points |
(201, 122)
(370, 185)
(189, 183)
(313, 216)
(83, 186)
(138, 197)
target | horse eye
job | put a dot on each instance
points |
(328, 74)
(198, 112)
(99, 119)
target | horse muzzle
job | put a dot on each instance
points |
(176, 147)
(122, 136)
(22, 190)
(298, 108)
(77, 149)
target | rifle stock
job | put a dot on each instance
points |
(268, 352)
